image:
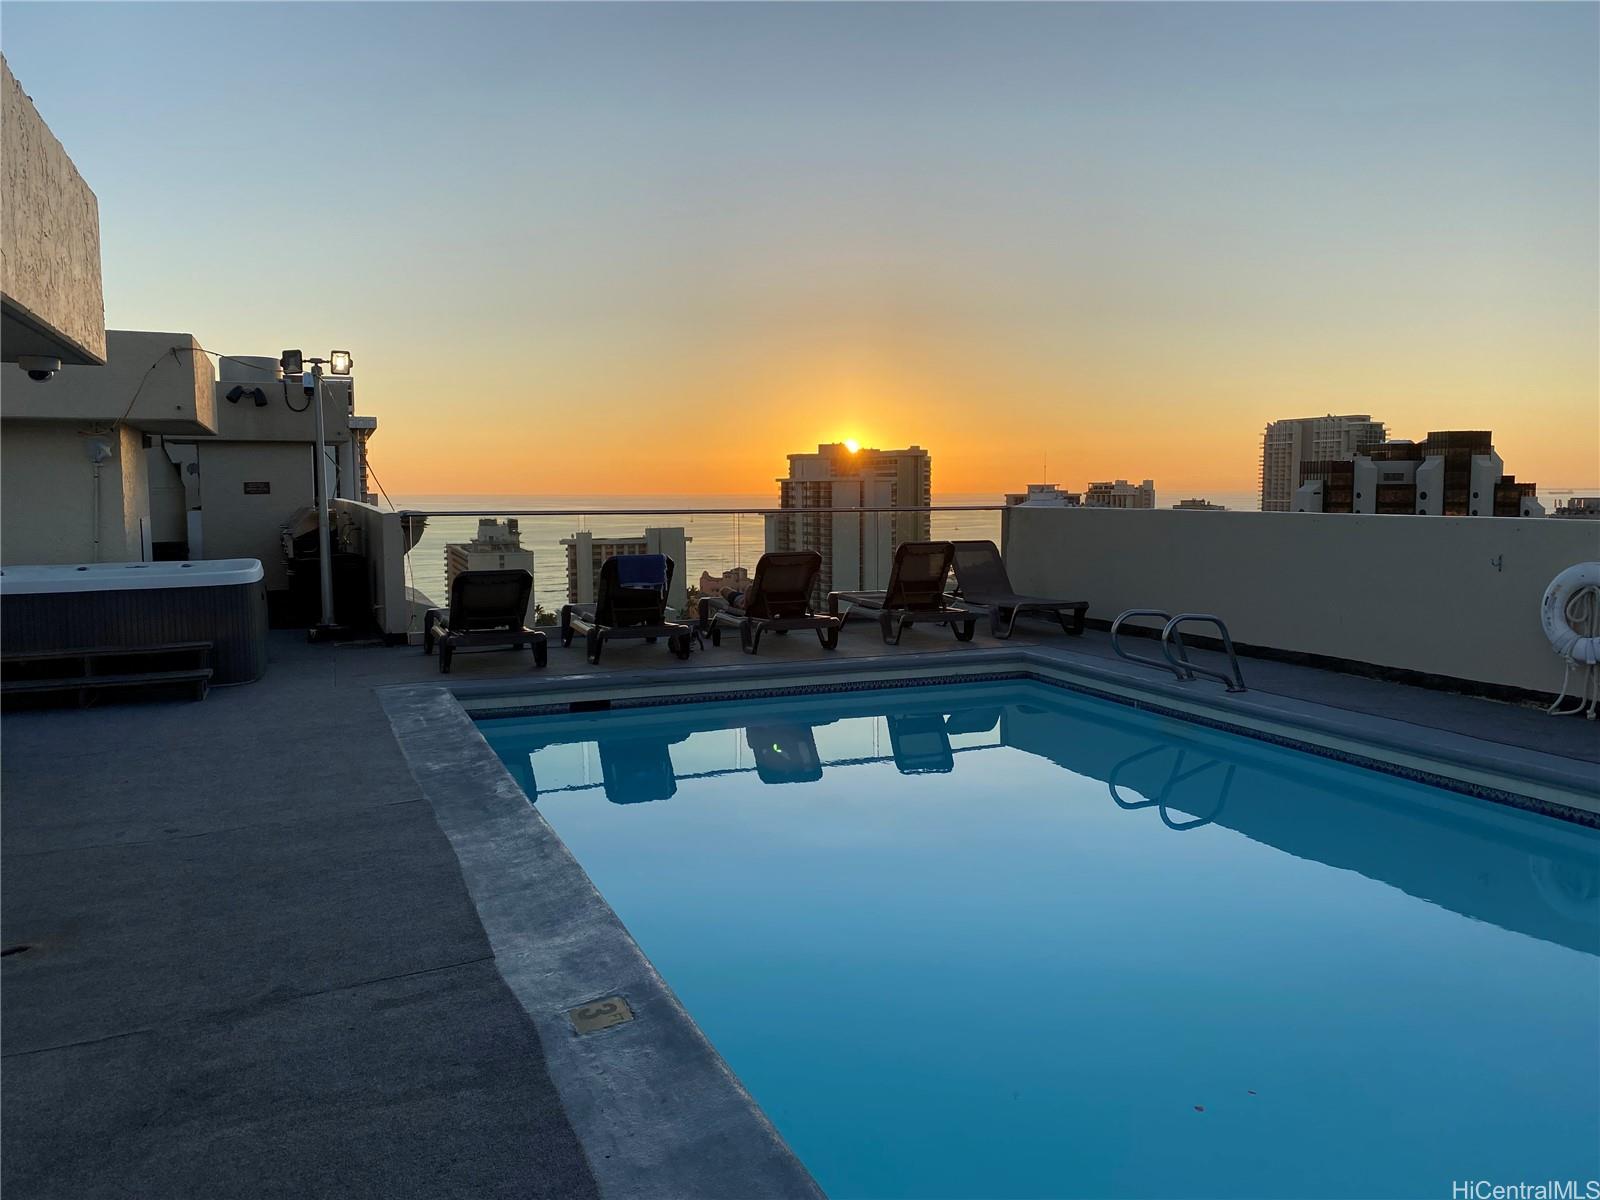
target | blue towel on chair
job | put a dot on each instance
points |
(642, 570)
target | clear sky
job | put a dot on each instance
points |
(630, 248)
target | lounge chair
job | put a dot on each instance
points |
(920, 744)
(487, 608)
(915, 594)
(632, 603)
(981, 579)
(637, 770)
(778, 598)
(784, 753)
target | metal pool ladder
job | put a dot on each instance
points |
(1171, 638)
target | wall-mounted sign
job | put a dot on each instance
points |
(259, 487)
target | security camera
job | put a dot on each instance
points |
(308, 381)
(38, 366)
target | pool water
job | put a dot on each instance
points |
(1004, 940)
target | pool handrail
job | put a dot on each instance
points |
(1171, 635)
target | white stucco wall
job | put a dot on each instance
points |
(157, 382)
(1456, 596)
(47, 495)
(50, 254)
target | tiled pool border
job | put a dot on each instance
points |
(1382, 766)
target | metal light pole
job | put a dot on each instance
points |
(324, 549)
(294, 362)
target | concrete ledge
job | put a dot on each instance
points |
(655, 1107)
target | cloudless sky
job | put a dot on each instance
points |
(645, 248)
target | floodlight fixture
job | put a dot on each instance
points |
(339, 362)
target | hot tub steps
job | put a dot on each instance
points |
(88, 672)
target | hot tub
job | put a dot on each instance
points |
(222, 601)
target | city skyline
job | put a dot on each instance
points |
(1120, 238)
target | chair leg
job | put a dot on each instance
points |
(829, 637)
(680, 645)
(965, 629)
(566, 625)
(1074, 627)
(446, 653)
(891, 627)
(592, 644)
(541, 653)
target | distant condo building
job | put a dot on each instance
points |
(1454, 473)
(1198, 505)
(734, 579)
(1044, 495)
(587, 551)
(496, 547)
(1287, 446)
(857, 548)
(1121, 494)
(1584, 508)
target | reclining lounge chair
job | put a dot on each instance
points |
(915, 594)
(487, 608)
(981, 580)
(631, 603)
(778, 598)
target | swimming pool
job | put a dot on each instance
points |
(1003, 939)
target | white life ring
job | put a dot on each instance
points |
(1559, 619)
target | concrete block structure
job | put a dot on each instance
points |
(1454, 473)
(51, 303)
(75, 483)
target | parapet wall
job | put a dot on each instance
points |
(50, 255)
(1453, 596)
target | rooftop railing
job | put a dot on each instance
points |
(717, 541)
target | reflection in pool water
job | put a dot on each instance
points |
(1003, 940)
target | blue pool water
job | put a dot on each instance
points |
(1001, 940)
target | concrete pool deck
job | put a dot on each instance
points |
(252, 963)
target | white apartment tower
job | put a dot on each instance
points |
(496, 547)
(857, 548)
(1288, 445)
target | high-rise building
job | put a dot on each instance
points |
(1044, 495)
(1287, 446)
(1121, 494)
(587, 551)
(496, 547)
(1454, 473)
(857, 548)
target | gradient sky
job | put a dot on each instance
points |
(622, 248)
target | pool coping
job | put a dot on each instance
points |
(655, 1107)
